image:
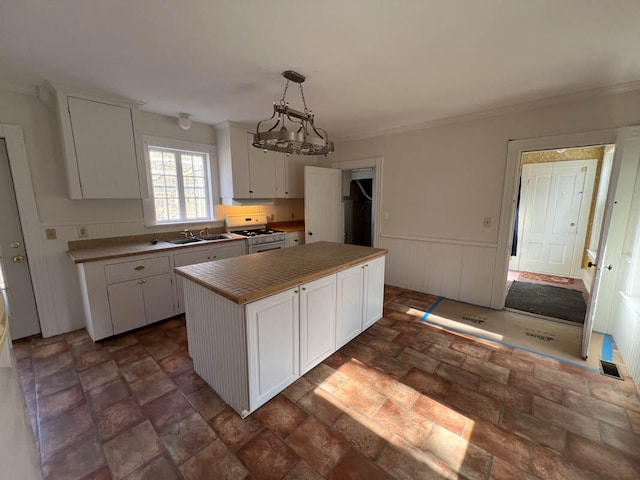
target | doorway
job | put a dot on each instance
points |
(558, 217)
(358, 200)
(16, 277)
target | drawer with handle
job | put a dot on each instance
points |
(120, 272)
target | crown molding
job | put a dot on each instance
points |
(23, 89)
(500, 110)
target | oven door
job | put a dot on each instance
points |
(265, 247)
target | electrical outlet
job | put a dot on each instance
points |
(83, 231)
(486, 222)
(51, 233)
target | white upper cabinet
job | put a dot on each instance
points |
(290, 175)
(262, 170)
(103, 155)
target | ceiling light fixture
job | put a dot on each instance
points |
(184, 121)
(301, 137)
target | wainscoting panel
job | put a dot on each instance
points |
(626, 333)
(458, 271)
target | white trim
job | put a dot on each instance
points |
(213, 180)
(447, 241)
(372, 162)
(22, 89)
(33, 238)
(499, 110)
(513, 168)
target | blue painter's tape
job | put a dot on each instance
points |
(607, 348)
(431, 308)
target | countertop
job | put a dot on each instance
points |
(108, 248)
(252, 277)
(290, 226)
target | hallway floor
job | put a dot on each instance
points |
(403, 400)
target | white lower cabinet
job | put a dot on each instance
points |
(273, 345)
(373, 293)
(136, 303)
(317, 322)
(293, 239)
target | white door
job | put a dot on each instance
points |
(373, 292)
(317, 321)
(612, 234)
(22, 313)
(273, 345)
(323, 205)
(554, 210)
(349, 304)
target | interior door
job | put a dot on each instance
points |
(23, 314)
(614, 224)
(323, 205)
(555, 203)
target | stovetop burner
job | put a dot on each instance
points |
(256, 232)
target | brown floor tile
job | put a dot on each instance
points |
(383, 332)
(358, 371)
(634, 418)
(60, 402)
(508, 360)
(538, 360)
(162, 349)
(56, 382)
(176, 363)
(303, 471)
(411, 340)
(566, 418)
(563, 379)
(486, 370)
(207, 402)
(437, 336)
(445, 354)
(354, 466)
(77, 336)
(118, 417)
(418, 359)
(91, 358)
(99, 375)
(441, 414)
(470, 347)
(267, 457)
(132, 449)
(408, 424)
(361, 398)
(140, 369)
(298, 389)
(386, 347)
(52, 364)
(359, 351)
(151, 387)
(622, 394)
(405, 462)
(214, 458)
(65, 429)
(535, 429)
(390, 365)
(529, 384)
(475, 403)
(189, 382)
(186, 437)
(458, 375)
(427, 383)
(507, 395)
(160, 468)
(603, 460)
(318, 445)
(167, 409)
(75, 461)
(108, 394)
(366, 435)
(118, 343)
(129, 354)
(322, 405)
(21, 349)
(326, 378)
(501, 470)
(603, 411)
(233, 430)
(498, 441)
(460, 455)
(547, 464)
(622, 440)
(49, 349)
(280, 415)
(103, 474)
(401, 394)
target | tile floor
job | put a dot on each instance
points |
(403, 400)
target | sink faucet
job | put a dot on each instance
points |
(204, 232)
(187, 233)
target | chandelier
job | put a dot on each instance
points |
(293, 131)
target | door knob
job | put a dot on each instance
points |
(18, 259)
(14, 244)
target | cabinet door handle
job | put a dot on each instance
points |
(304, 289)
(139, 267)
(250, 191)
(295, 291)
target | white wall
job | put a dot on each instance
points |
(440, 182)
(104, 218)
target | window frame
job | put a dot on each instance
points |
(211, 170)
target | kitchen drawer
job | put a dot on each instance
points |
(120, 272)
(190, 258)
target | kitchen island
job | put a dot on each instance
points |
(257, 323)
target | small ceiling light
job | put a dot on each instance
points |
(301, 137)
(184, 121)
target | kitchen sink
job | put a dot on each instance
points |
(182, 241)
(214, 237)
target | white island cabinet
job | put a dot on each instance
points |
(250, 342)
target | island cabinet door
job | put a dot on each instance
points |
(349, 304)
(373, 291)
(273, 345)
(317, 321)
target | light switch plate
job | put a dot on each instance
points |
(83, 231)
(51, 233)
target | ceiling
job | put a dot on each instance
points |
(371, 65)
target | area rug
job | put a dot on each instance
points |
(543, 277)
(547, 300)
(557, 340)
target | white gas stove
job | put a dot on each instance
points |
(253, 227)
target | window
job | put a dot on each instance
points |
(180, 182)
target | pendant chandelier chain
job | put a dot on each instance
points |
(284, 94)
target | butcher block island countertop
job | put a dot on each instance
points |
(252, 277)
